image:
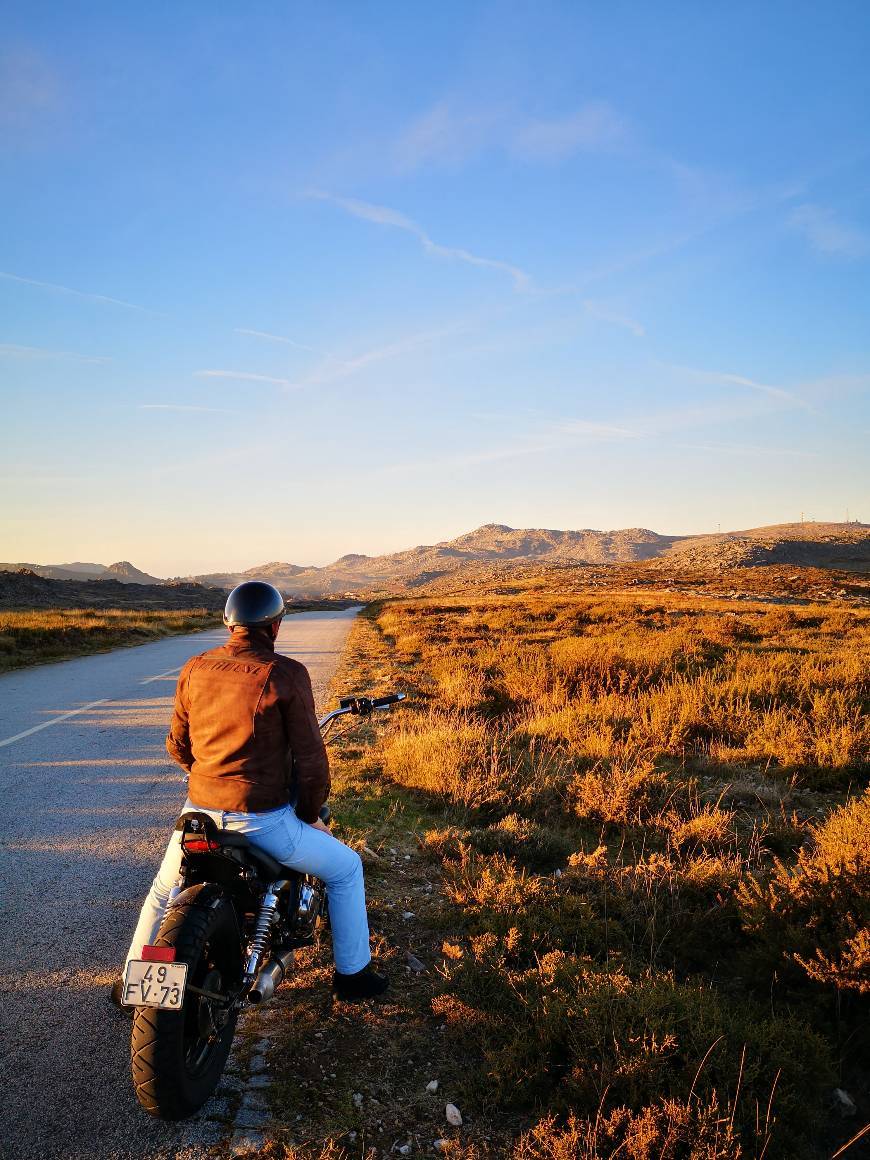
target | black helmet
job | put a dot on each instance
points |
(254, 604)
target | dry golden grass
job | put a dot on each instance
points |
(54, 634)
(640, 862)
(639, 852)
(664, 677)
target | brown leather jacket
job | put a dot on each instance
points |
(245, 729)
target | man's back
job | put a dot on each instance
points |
(244, 725)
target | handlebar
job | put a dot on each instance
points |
(360, 706)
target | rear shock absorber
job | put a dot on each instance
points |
(262, 936)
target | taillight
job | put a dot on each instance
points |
(198, 845)
(152, 954)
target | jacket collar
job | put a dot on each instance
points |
(243, 638)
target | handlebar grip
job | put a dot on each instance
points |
(390, 699)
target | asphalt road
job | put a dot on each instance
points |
(88, 800)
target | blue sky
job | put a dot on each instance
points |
(284, 281)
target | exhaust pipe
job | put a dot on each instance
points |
(269, 978)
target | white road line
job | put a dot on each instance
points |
(54, 721)
(160, 676)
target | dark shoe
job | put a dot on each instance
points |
(365, 984)
(115, 995)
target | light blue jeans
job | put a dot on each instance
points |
(292, 843)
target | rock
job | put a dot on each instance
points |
(254, 1101)
(843, 1102)
(414, 963)
(405, 1150)
(358, 1099)
(251, 1118)
(244, 1143)
(408, 915)
(439, 1145)
(432, 1085)
(453, 1116)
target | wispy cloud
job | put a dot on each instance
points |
(584, 429)
(184, 407)
(273, 338)
(595, 126)
(57, 289)
(384, 216)
(749, 449)
(446, 135)
(244, 376)
(11, 350)
(550, 437)
(727, 379)
(333, 370)
(542, 435)
(605, 314)
(826, 234)
(450, 133)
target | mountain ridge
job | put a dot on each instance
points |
(831, 545)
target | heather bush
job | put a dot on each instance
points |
(579, 1037)
(816, 914)
(666, 1130)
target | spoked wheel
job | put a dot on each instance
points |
(178, 1056)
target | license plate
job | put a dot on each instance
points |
(154, 985)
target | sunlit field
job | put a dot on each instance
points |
(646, 817)
(47, 635)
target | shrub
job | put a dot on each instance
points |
(667, 1130)
(619, 792)
(586, 1038)
(817, 913)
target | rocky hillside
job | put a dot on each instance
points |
(843, 546)
(814, 545)
(808, 545)
(26, 589)
(123, 571)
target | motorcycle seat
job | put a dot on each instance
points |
(270, 867)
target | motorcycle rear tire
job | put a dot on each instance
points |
(175, 1066)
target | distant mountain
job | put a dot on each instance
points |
(844, 546)
(278, 573)
(807, 545)
(75, 571)
(123, 571)
(818, 545)
(78, 568)
(128, 574)
(25, 589)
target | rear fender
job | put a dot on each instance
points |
(209, 896)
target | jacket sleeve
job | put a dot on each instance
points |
(178, 739)
(310, 763)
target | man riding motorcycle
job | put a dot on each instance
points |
(245, 729)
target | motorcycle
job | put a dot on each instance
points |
(227, 941)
